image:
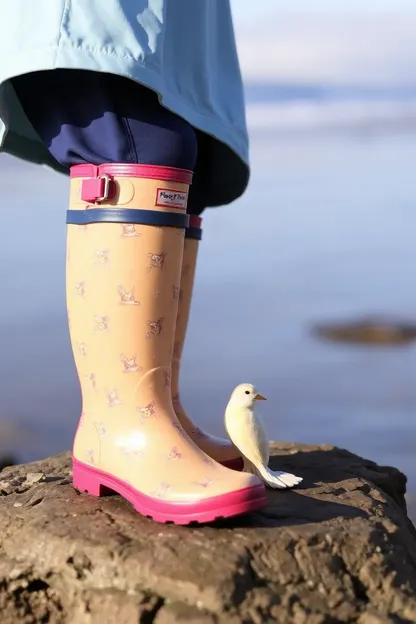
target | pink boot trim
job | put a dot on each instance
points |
(96, 482)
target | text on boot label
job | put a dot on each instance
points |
(173, 199)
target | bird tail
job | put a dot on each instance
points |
(277, 480)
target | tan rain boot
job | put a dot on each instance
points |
(125, 246)
(219, 449)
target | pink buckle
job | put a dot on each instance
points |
(96, 189)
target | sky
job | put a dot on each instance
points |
(247, 10)
(331, 41)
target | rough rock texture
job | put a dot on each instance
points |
(411, 506)
(6, 461)
(369, 331)
(339, 549)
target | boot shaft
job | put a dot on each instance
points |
(193, 235)
(123, 275)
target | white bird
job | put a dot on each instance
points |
(247, 431)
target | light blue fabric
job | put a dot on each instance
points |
(183, 49)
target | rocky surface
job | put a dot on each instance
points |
(369, 331)
(339, 549)
(6, 460)
(411, 506)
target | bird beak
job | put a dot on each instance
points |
(260, 397)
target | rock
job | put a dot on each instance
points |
(411, 506)
(369, 331)
(338, 549)
(6, 460)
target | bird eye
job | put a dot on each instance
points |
(247, 391)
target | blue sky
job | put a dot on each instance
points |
(332, 41)
(245, 10)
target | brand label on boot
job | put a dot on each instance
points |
(173, 199)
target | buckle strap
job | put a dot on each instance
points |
(97, 189)
(127, 215)
(193, 232)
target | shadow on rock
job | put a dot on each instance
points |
(336, 484)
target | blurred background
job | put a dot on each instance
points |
(324, 237)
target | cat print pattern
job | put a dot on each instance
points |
(123, 293)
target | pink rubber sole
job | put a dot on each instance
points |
(98, 483)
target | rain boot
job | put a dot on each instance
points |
(219, 449)
(126, 227)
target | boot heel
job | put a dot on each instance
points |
(85, 480)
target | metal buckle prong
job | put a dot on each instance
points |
(106, 190)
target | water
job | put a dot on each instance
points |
(325, 232)
(292, 108)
